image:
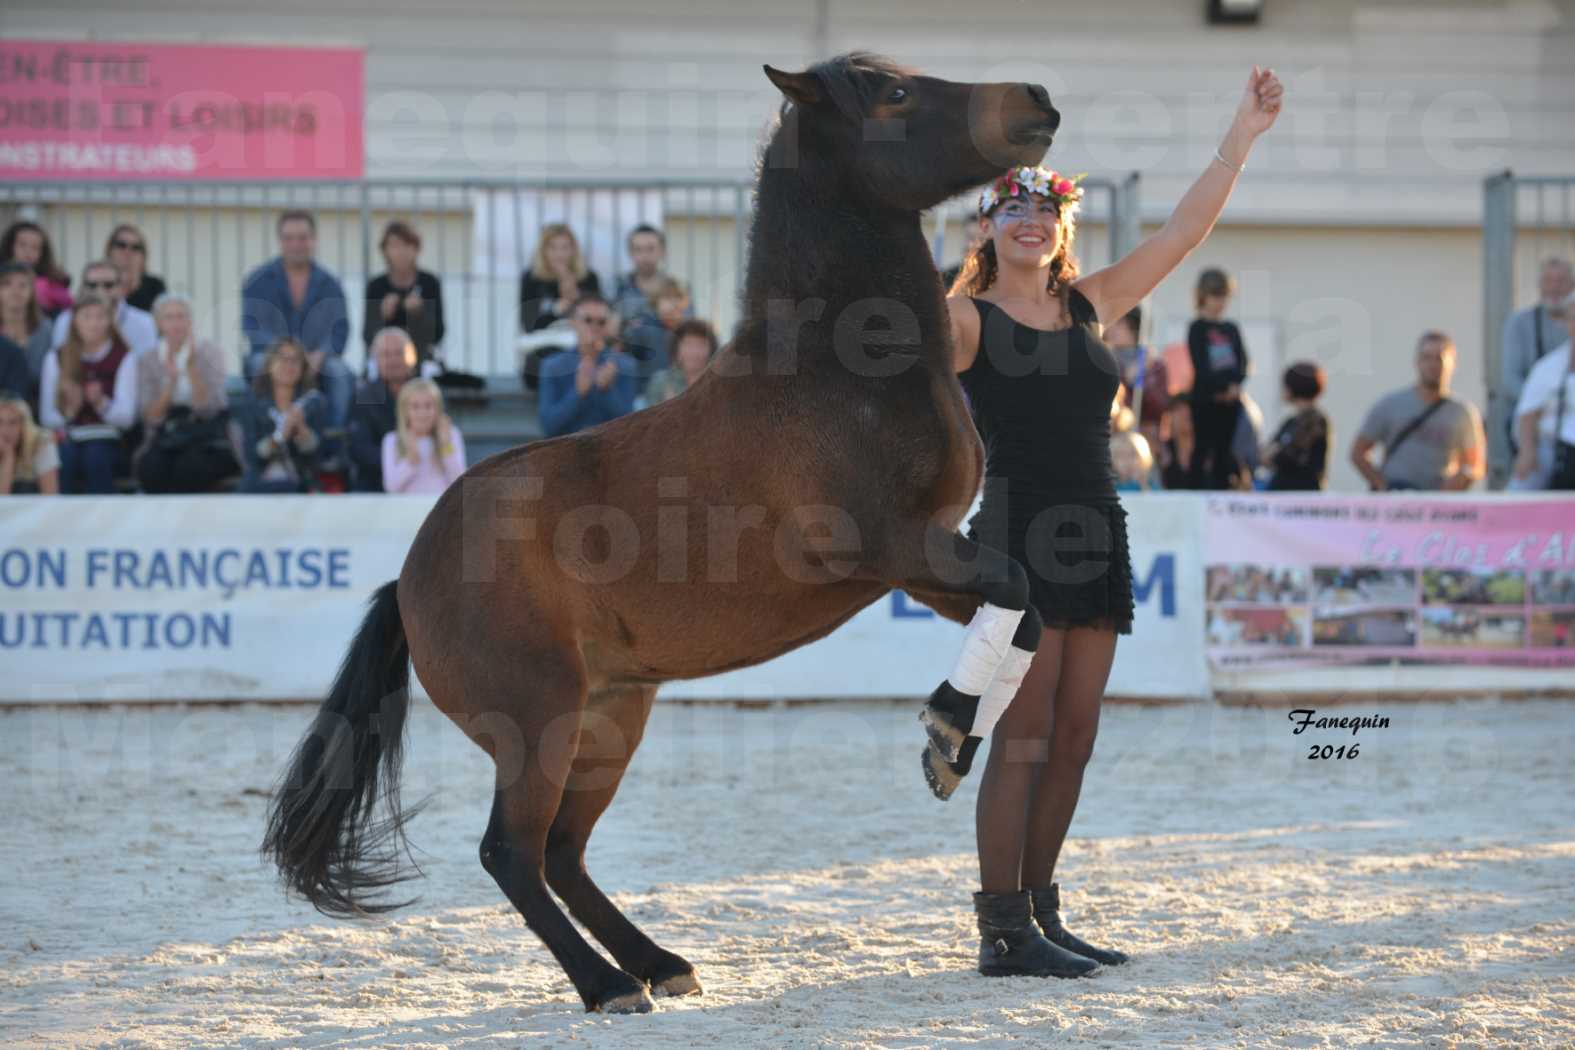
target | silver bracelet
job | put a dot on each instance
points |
(1228, 164)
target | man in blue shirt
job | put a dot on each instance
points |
(592, 385)
(292, 296)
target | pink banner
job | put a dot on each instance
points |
(93, 110)
(1389, 579)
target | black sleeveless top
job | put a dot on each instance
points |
(1041, 401)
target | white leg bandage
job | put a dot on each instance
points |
(993, 704)
(985, 645)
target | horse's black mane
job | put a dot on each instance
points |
(852, 79)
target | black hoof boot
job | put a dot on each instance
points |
(947, 718)
(943, 776)
(1047, 912)
(1010, 945)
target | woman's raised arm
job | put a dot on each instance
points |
(1120, 286)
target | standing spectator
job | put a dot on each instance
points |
(426, 452)
(694, 343)
(1298, 457)
(29, 462)
(1178, 445)
(404, 296)
(592, 385)
(185, 413)
(635, 292)
(282, 424)
(1545, 416)
(557, 278)
(89, 393)
(648, 336)
(22, 322)
(292, 297)
(27, 243)
(1531, 333)
(127, 248)
(104, 280)
(1144, 379)
(375, 415)
(1431, 441)
(1219, 364)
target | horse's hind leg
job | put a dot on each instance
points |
(610, 731)
(532, 773)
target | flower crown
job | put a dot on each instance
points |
(1019, 182)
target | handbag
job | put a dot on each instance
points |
(183, 429)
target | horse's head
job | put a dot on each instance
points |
(905, 140)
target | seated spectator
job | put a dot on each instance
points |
(185, 412)
(26, 243)
(282, 424)
(292, 297)
(404, 296)
(88, 392)
(648, 337)
(557, 278)
(1220, 366)
(103, 279)
(1130, 454)
(1431, 440)
(127, 248)
(1298, 457)
(694, 343)
(1545, 416)
(426, 452)
(15, 377)
(22, 322)
(592, 385)
(375, 415)
(635, 292)
(29, 462)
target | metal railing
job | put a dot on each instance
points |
(477, 238)
(1525, 219)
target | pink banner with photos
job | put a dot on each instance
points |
(1387, 579)
(104, 110)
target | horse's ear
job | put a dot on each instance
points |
(802, 88)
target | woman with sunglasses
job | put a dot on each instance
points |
(127, 248)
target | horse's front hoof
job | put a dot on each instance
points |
(946, 736)
(943, 776)
(676, 985)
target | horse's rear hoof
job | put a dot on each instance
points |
(676, 985)
(635, 1002)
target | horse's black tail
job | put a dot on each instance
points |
(321, 832)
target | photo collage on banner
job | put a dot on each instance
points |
(1370, 580)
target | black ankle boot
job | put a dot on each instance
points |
(943, 776)
(1047, 912)
(947, 718)
(1010, 945)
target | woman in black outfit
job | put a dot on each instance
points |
(1299, 453)
(557, 276)
(1040, 380)
(404, 296)
(1219, 366)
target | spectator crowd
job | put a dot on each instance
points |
(105, 385)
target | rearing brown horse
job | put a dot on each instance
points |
(824, 458)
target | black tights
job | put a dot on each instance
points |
(1038, 751)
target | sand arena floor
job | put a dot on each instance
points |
(1417, 896)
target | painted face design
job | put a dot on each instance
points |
(1016, 211)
